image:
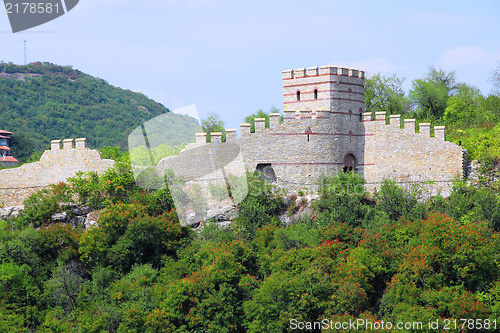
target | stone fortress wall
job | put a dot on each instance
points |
(409, 157)
(326, 131)
(63, 160)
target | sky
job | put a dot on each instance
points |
(227, 56)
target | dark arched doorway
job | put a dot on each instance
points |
(267, 171)
(349, 162)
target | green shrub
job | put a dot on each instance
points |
(296, 236)
(96, 191)
(146, 240)
(213, 231)
(398, 202)
(263, 203)
(40, 206)
(343, 199)
(469, 204)
(156, 202)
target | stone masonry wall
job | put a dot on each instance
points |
(55, 166)
(324, 127)
(409, 157)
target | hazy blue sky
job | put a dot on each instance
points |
(227, 56)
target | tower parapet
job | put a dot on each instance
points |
(327, 87)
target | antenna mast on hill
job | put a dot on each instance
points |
(25, 52)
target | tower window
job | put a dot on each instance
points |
(298, 95)
(315, 93)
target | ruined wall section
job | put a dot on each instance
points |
(64, 160)
(409, 157)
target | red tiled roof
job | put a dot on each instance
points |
(5, 132)
(8, 159)
(4, 148)
(5, 137)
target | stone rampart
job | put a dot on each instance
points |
(64, 160)
(324, 132)
(400, 153)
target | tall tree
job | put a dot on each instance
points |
(463, 108)
(213, 123)
(384, 93)
(260, 114)
(430, 94)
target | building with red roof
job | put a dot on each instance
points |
(5, 158)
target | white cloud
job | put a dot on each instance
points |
(473, 56)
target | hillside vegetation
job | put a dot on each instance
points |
(41, 102)
(392, 257)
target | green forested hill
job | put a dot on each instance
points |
(42, 102)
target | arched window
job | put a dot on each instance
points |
(349, 162)
(315, 93)
(298, 95)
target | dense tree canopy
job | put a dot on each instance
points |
(471, 118)
(391, 258)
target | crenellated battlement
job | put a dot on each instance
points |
(331, 88)
(79, 143)
(296, 120)
(64, 159)
(300, 73)
(409, 124)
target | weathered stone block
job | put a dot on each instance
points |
(69, 143)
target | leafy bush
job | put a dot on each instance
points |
(114, 185)
(343, 199)
(213, 231)
(469, 204)
(156, 203)
(40, 206)
(263, 203)
(398, 202)
(146, 240)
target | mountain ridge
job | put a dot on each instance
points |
(40, 102)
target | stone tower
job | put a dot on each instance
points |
(337, 92)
